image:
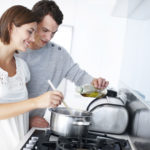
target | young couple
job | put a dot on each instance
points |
(29, 33)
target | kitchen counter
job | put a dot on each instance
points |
(141, 143)
(148, 104)
(131, 140)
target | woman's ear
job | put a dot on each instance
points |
(11, 27)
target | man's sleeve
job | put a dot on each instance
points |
(75, 73)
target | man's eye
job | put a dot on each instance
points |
(30, 32)
(53, 33)
(44, 30)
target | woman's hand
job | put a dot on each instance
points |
(49, 99)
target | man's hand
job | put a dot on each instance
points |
(38, 122)
(100, 83)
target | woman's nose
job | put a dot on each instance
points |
(32, 38)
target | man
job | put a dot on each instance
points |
(47, 60)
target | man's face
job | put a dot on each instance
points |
(45, 31)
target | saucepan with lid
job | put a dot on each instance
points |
(69, 122)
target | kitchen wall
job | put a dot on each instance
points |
(135, 71)
(134, 66)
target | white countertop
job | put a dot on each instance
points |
(124, 136)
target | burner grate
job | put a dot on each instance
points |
(89, 144)
(49, 141)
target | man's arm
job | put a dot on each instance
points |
(80, 76)
(38, 121)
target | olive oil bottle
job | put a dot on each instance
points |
(92, 94)
(90, 91)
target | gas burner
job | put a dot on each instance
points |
(75, 144)
(97, 143)
(49, 141)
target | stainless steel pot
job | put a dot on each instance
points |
(69, 122)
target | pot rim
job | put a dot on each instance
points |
(87, 113)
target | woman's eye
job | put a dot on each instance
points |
(30, 32)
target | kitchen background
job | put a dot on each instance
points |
(108, 38)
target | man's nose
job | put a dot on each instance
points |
(49, 36)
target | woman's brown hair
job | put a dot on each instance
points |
(17, 15)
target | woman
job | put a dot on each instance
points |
(17, 27)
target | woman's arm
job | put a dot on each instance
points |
(48, 99)
(8, 110)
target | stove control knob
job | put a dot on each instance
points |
(34, 138)
(30, 146)
(27, 149)
(32, 142)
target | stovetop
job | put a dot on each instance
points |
(46, 140)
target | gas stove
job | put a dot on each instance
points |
(46, 140)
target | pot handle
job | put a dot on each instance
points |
(81, 123)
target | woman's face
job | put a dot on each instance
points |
(22, 36)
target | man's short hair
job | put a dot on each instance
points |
(45, 7)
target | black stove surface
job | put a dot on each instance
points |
(142, 146)
(41, 140)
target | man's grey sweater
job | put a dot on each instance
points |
(54, 63)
